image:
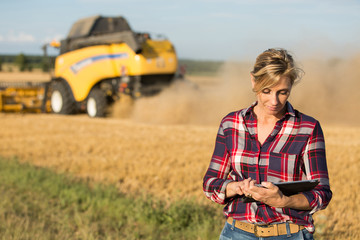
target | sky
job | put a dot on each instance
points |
(199, 29)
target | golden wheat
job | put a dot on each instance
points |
(167, 161)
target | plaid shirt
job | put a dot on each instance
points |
(295, 150)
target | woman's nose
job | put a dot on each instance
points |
(274, 99)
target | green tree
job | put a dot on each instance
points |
(0, 64)
(22, 62)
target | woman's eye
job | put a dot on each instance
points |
(284, 92)
(266, 91)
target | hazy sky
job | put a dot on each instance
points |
(199, 29)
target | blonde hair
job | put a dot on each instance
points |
(273, 64)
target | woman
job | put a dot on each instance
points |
(268, 142)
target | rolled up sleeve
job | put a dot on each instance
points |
(215, 179)
(314, 157)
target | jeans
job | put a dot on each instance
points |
(232, 233)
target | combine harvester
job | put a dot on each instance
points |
(100, 59)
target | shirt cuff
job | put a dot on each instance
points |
(312, 199)
(220, 196)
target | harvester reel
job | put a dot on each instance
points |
(96, 105)
(62, 101)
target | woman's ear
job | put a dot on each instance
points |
(252, 81)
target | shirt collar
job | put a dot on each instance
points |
(290, 109)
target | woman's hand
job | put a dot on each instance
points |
(237, 188)
(234, 188)
(270, 194)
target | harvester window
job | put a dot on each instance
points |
(110, 25)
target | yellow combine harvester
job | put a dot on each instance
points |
(102, 58)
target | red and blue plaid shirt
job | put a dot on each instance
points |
(295, 150)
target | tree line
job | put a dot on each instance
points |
(28, 62)
(200, 67)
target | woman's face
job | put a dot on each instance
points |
(271, 101)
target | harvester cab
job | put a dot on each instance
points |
(102, 58)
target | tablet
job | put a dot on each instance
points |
(289, 188)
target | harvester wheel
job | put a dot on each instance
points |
(96, 105)
(62, 100)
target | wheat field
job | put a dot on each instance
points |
(162, 145)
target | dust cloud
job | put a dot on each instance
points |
(328, 91)
(194, 100)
